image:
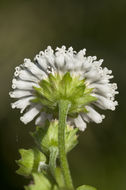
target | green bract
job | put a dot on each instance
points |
(47, 136)
(31, 160)
(63, 86)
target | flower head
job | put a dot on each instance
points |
(63, 74)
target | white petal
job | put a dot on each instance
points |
(24, 85)
(94, 115)
(42, 118)
(86, 65)
(34, 69)
(108, 90)
(60, 61)
(60, 56)
(87, 62)
(25, 75)
(22, 103)
(97, 64)
(79, 122)
(19, 93)
(42, 61)
(49, 55)
(69, 65)
(105, 103)
(85, 117)
(93, 75)
(80, 55)
(41, 166)
(30, 114)
(77, 65)
(103, 80)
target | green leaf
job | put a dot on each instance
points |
(71, 138)
(47, 137)
(26, 162)
(40, 183)
(86, 187)
(39, 161)
(31, 161)
(59, 177)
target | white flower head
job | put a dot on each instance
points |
(63, 74)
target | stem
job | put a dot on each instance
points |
(52, 160)
(63, 110)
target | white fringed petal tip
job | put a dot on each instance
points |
(29, 74)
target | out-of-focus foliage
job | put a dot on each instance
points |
(28, 26)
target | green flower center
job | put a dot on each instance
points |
(66, 87)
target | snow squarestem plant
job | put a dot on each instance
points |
(61, 90)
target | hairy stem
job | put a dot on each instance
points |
(52, 160)
(63, 110)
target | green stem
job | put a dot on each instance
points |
(52, 160)
(63, 110)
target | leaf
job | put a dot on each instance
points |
(71, 138)
(59, 177)
(38, 135)
(40, 183)
(39, 161)
(30, 161)
(86, 187)
(26, 162)
(47, 136)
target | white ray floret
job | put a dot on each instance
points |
(25, 75)
(30, 114)
(94, 115)
(42, 118)
(23, 85)
(22, 103)
(34, 69)
(80, 123)
(29, 74)
(20, 93)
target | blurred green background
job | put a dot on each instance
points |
(28, 26)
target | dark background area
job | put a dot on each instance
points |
(28, 26)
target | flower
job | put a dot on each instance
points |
(63, 74)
